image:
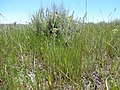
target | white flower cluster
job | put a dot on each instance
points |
(115, 30)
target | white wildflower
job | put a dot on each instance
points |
(115, 30)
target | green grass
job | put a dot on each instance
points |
(63, 56)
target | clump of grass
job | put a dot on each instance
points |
(57, 52)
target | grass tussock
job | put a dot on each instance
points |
(56, 52)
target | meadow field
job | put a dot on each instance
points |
(55, 51)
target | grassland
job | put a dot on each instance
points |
(56, 52)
